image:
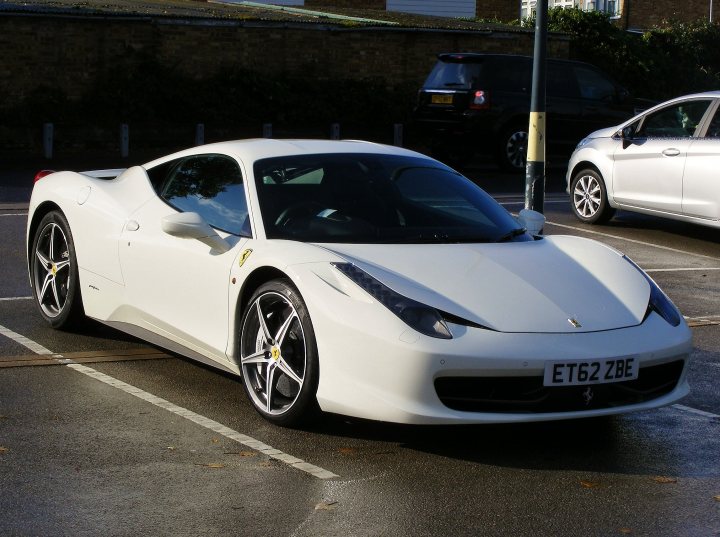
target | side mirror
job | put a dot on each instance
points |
(628, 133)
(193, 226)
(531, 220)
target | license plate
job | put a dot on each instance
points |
(441, 98)
(579, 373)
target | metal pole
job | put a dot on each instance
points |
(535, 168)
(711, 1)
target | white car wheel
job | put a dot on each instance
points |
(589, 198)
(278, 355)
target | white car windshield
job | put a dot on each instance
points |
(375, 198)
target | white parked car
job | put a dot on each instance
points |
(354, 278)
(663, 162)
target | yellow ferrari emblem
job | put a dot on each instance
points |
(275, 353)
(54, 269)
(244, 256)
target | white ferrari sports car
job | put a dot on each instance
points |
(354, 278)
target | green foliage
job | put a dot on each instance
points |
(672, 60)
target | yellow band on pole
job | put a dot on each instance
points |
(536, 137)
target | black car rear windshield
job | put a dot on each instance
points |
(374, 198)
(454, 75)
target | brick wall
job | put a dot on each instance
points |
(72, 54)
(649, 13)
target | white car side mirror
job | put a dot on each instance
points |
(193, 226)
(531, 220)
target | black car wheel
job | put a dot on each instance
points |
(589, 197)
(54, 270)
(278, 355)
(512, 148)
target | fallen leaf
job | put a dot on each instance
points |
(346, 450)
(3, 449)
(247, 453)
(326, 505)
(589, 484)
(215, 440)
(211, 465)
(664, 479)
(625, 531)
(717, 498)
(171, 448)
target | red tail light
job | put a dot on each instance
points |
(42, 173)
(480, 100)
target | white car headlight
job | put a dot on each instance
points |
(424, 319)
(583, 143)
(659, 301)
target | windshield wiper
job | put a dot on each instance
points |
(511, 234)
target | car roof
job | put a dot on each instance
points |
(259, 148)
(472, 57)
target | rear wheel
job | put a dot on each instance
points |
(589, 197)
(512, 148)
(54, 270)
(278, 355)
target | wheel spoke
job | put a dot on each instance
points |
(269, 388)
(263, 324)
(61, 265)
(259, 357)
(42, 259)
(45, 285)
(52, 242)
(287, 370)
(53, 284)
(282, 332)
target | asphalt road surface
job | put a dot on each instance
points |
(101, 434)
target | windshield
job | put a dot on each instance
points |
(373, 198)
(453, 75)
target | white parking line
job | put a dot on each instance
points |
(696, 411)
(208, 423)
(10, 298)
(681, 269)
(634, 241)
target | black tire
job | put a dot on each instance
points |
(512, 148)
(588, 197)
(289, 358)
(54, 272)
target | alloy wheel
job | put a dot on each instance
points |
(587, 196)
(51, 270)
(273, 353)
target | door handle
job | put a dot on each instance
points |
(671, 152)
(132, 225)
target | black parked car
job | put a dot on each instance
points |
(473, 103)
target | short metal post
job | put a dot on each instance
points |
(267, 130)
(48, 133)
(200, 134)
(124, 140)
(335, 131)
(398, 134)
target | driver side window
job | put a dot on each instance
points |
(676, 121)
(210, 185)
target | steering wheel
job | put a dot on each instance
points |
(298, 210)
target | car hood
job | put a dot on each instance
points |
(558, 284)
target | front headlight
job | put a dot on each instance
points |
(583, 143)
(659, 301)
(420, 317)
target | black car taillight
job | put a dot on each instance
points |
(480, 100)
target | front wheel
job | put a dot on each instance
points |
(589, 197)
(54, 270)
(278, 355)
